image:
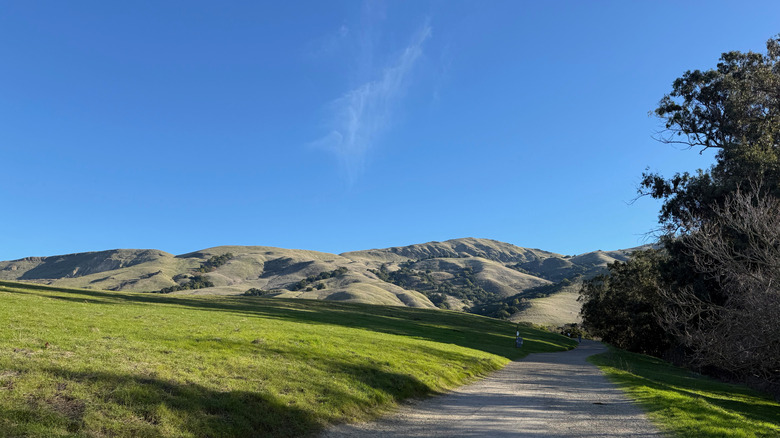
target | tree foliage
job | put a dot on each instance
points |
(621, 307)
(734, 108)
(214, 262)
(714, 289)
(255, 292)
(194, 282)
(306, 282)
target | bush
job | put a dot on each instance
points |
(196, 282)
(573, 330)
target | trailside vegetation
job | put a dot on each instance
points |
(621, 307)
(688, 404)
(737, 330)
(714, 288)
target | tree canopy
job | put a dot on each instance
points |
(621, 307)
(712, 292)
(734, 108)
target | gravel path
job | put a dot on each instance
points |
(542, 395)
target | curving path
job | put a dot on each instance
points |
(542, 395)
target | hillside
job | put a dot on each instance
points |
(455, 248)
(249, 267)
(93, 363)
(460, 274)
(556, 309)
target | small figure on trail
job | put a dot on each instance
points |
(579, 338)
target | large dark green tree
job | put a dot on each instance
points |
(622, 307)
(714, 291)
(734, 108)
(721, 224)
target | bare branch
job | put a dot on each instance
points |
(740, 250)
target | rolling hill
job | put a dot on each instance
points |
(89, 363)
(460, 274)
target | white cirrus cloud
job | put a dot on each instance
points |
(361, 114)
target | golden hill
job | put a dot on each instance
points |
(458, 273)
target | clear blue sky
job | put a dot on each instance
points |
(339, 126)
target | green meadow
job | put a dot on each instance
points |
(79, 362)
(687, 404)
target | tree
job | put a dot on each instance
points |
(739, 249)
(621, 307)
(255, 292)
(734, 108)
(713, 289)
(722, 225)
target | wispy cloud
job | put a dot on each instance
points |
(361, 114)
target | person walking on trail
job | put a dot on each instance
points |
(579, 338)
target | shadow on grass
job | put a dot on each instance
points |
(471, 331)
(140, 406)
(134, 405)
(657, 375)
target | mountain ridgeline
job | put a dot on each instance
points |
(478, 275)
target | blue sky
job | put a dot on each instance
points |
(339, 126)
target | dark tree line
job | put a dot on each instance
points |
(303, 284)
(195, 282)
(255, 292)
(215, 262)
(711, 294)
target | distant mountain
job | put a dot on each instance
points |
(460, 274)
(258, 267)
(455, 248)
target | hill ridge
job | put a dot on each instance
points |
(458, 274)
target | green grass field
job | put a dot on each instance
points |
(690, 405)
(90, 363)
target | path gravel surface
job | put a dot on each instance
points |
(542, 395)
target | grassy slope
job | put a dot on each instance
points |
(454, 248)
(252, 267)
(689, 405)
(555, 310)
(492, 276)
(124, 364)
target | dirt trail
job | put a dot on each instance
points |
(542, 395)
